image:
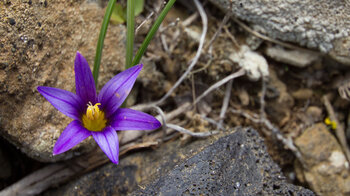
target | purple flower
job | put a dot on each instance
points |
(97, 115)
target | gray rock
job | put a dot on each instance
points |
(233, 163)
(321, 25)
(38, 49)
(295, 57)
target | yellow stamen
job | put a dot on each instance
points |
(94, 118)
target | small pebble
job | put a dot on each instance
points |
(12, 21)
(302, 94)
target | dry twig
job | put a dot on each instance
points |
(193, 134)
(262, 98)
(229, 34)
(237, 74)
(218, 31)
(339, 131)
(225, 102)
(196, 58)
(190, 19)
(144, 22)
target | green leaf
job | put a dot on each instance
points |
(101, 38)
(139, 7)
(118, 14)
(130, 32)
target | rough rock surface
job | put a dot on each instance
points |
(322, 25)
(235, 164)
(38, 43)
(327, 170)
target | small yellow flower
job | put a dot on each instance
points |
(330, 123)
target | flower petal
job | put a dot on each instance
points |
(108, 142)
(84, 81)
(66, 102)
(72, 135)
(128, 119)
(115, 91)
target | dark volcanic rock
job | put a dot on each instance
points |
(233, 164)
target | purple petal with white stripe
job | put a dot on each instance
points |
(128, 119)
(115, 91)
(66, 102)
(72, 135)
(108, 142)
(84, 81)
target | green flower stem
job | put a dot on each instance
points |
(130, 32)
(152, 32)
(101, 38)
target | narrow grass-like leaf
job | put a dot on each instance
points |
(152, 32)
(130, 32)
(101, 39)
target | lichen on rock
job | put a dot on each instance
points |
(39, 49)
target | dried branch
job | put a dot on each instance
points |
(144, 22)
(262, 98)
(196, 58)
(218, 31)
(193, 134)
(339, 131)
(239, 73)
(234, 41)
(225, 102)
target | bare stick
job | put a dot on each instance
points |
(234, 41)
(193, 134)
(214, 122)
(189, 20)
(165, 45)
(239, 73)
(161, 113)
(172, 24)
(218, 31)
(193, 92)
(195, 59)
(143, 22)
(262, 98)
(205, 66)
(339, 131)
(225, 102)
(48, 173)
(132, 135)
(181, 129)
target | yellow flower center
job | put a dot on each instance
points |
(94, 118)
